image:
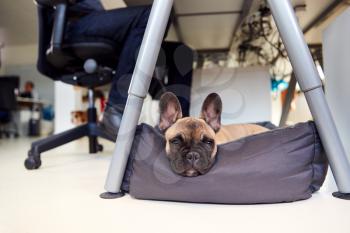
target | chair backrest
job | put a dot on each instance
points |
(58, 56)
(45, 27)
(8, 86)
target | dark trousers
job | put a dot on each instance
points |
(176, 62)
(125, 26)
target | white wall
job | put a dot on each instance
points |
(336, 51)
(245, 93)
(2, 41)
(20, 54)
(65, 103)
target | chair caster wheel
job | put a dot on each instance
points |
(99, 148)
(32, 163)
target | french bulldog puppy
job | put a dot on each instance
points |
(191, 143)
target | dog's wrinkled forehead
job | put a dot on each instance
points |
(191, 127)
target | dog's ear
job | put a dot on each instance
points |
(211, 111)
(170, 110)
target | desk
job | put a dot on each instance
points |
(304, 69)
(29, 103)
(198, 19)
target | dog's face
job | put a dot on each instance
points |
(190, 142)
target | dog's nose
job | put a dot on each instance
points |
(192, 156)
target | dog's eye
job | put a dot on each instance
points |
(208, 141)
(176, 141)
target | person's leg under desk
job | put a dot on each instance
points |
(180, 64)
(175, 64)
(127, 60)
(126, 27)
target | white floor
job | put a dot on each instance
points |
(62, 196)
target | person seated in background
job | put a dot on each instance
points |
(125, 26)
(29, 91)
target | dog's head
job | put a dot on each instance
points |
(190, 142)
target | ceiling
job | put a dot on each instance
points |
(199, 22)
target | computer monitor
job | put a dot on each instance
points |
(8, 87)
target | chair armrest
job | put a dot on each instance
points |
(59, 25)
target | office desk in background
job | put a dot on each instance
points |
(29, 103)
(24, 111)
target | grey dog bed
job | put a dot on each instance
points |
(281, 165)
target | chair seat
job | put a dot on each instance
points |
(71, 57)
(73, 54)
(101, 52)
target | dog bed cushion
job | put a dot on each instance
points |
(281, 165)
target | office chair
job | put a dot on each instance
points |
(85, 62)
(8, 106)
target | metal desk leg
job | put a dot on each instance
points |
(309, 81)
(138, 89)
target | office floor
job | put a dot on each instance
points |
(62, 196)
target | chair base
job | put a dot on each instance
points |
(90, 130)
